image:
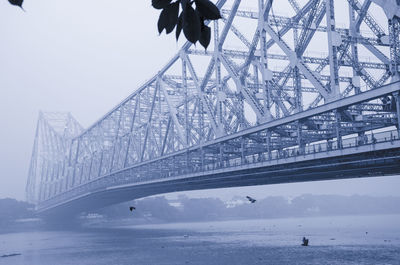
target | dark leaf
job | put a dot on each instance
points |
(208, 9)
(179, 26)
(184, 4)
(173, 11)
(168, 18)
(201, 17)
(16, 3)
(160, 4)
(205, 36)
(162, 21)
(191, 24)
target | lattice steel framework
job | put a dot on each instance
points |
(273, 86)
(54, 133)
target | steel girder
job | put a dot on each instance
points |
(290, 84)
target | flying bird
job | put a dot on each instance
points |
(17, 3)
(132, 208)
(251, 199)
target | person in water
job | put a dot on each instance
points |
(305, 242)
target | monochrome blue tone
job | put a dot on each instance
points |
(357, 240)
(266, 112)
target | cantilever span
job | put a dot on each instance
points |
(278, 99)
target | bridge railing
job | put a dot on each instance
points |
(313, 148)
(128, 177)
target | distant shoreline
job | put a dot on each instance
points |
(104, 223)
(19, 216)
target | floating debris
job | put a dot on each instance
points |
(10, 255)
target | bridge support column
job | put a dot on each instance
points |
(269, 144)
(188, 170)
(66, 177)
(173, 166)
(396, 95)
(242, 160)
(338, 129)
(160, 169)
(300, 140)
(100, 164)
(221, 155)
(265, 72)
(394, 32)
(114, 142)
(201, 159)
(75, 162)
(334, 41)
(90, 168)
(62, 178)
(43, 185)
(354, 29)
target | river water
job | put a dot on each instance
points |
(333, 240)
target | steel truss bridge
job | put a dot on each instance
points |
(277, 99)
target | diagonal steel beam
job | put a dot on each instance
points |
(209, 109)
(148, 124)
(172, 113)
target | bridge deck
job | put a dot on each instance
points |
(356, 160)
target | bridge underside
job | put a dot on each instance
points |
(373, 163)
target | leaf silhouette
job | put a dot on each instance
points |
(205, 36)
(191, 24)
(190, 21)
(179, 26)
(160, 4)
(168, 18)
(184, 4)
(162, 21)
(207, 9)
(173, 11)
(16, 3)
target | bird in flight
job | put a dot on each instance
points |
(251, 199)
(132, 208)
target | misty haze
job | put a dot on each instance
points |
(200, 132)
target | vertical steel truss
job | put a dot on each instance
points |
(270, 96)
(54, 132)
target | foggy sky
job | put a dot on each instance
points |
(85, 57)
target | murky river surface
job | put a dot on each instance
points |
(333, 240)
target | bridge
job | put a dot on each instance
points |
(284, 94)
